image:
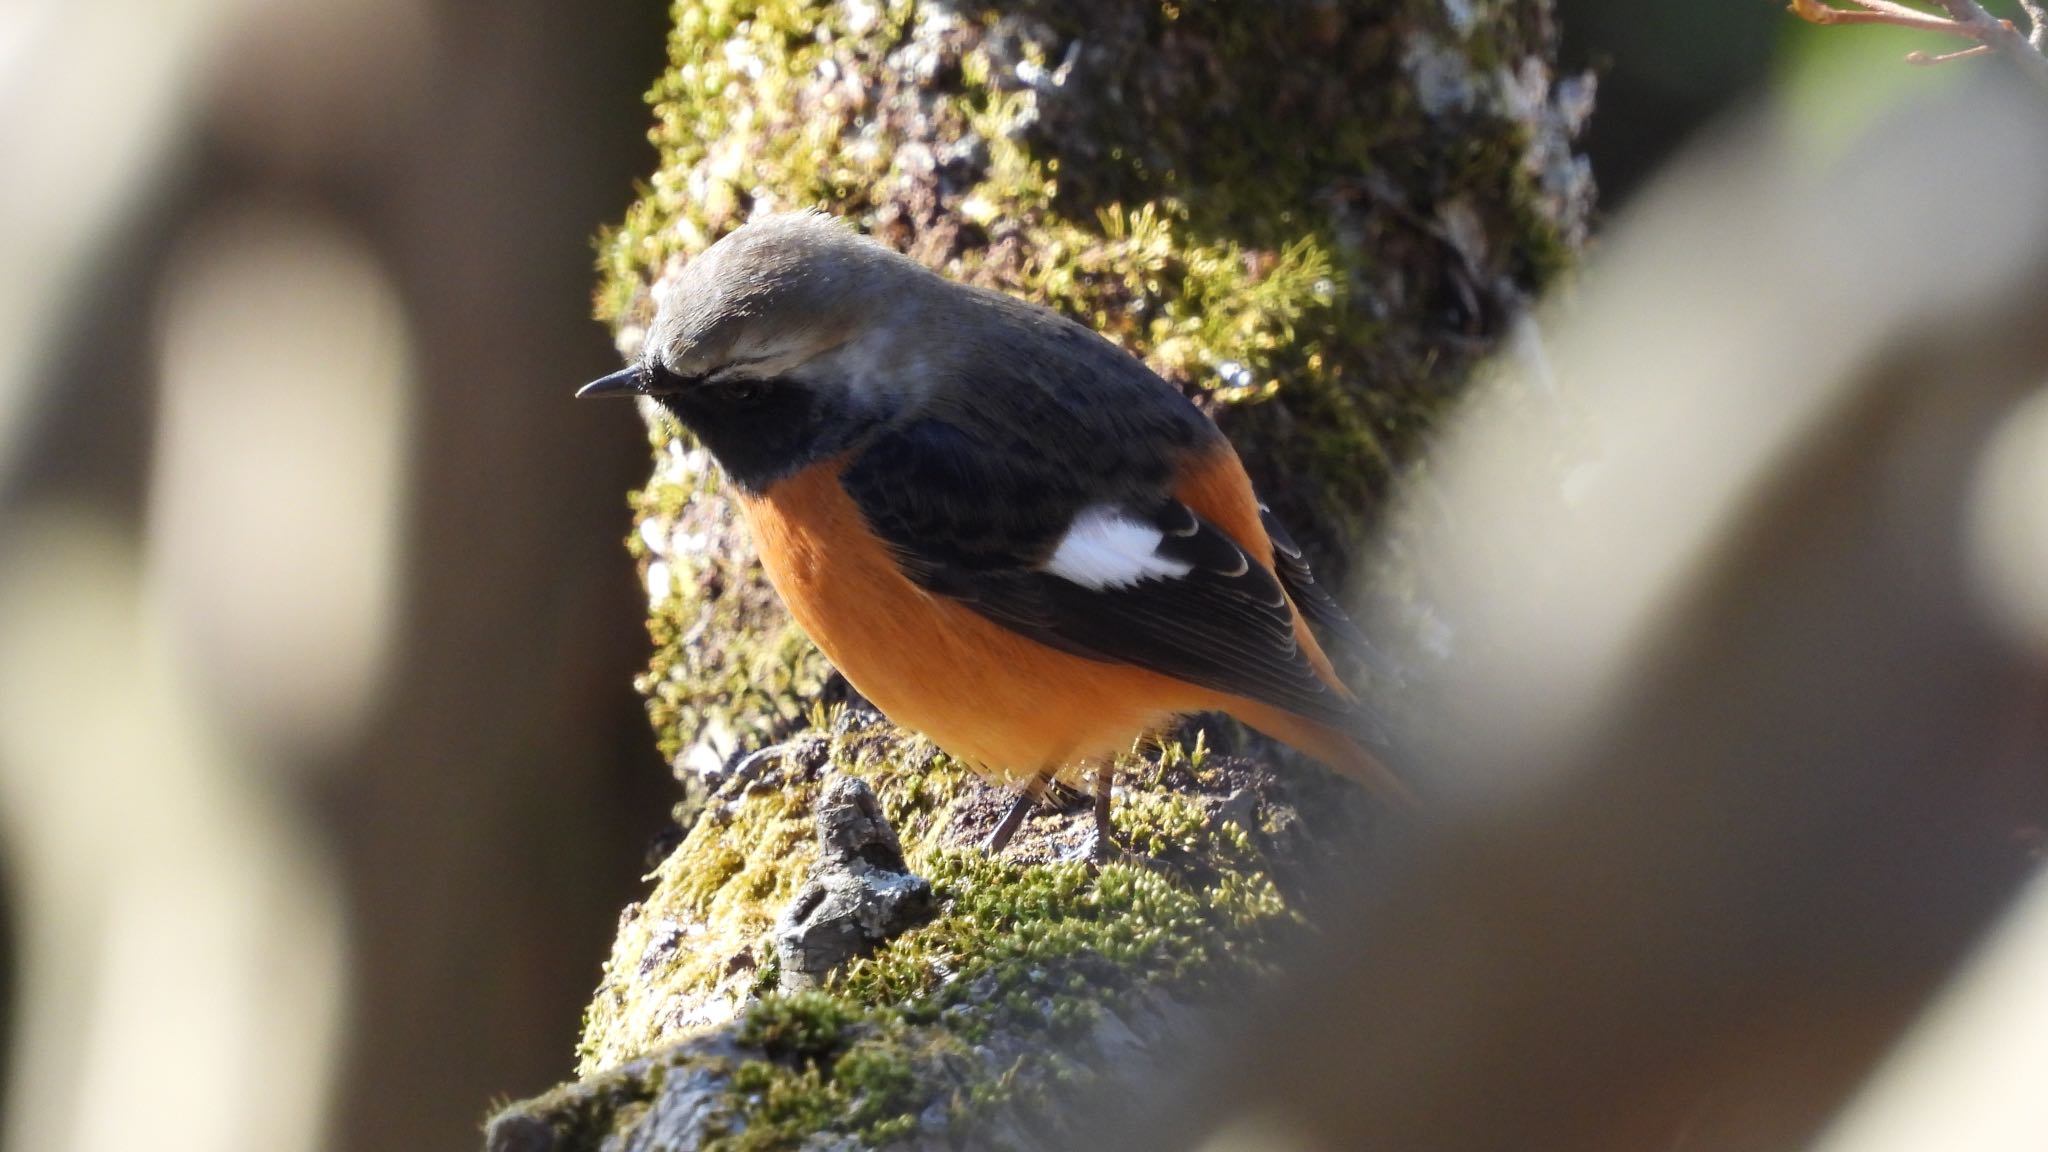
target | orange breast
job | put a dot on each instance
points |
(1005, 703)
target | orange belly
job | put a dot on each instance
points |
(1007, 704)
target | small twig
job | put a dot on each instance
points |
(1893, 7)
(1877, 12)
(2024, 51)
(1966, 19)
(1922, 58)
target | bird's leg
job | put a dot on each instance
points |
(1013, 819)
(1027, 799)
(1104, 848)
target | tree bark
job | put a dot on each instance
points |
(1310, 216)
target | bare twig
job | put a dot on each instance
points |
(1877, 12)
(1893, 7)
(1923, 58)
(2023, 50)
(1966, 19)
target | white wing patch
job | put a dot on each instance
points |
(1104, 548)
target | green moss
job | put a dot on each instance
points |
(870, 1086)
(728, 666)
(806, 1027)
(894, 1036)
(582, 1114)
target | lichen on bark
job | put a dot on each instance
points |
(1311, 216)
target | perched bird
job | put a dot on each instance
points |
(1007, 532)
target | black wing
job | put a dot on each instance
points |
(1315, 603)
(969, 518)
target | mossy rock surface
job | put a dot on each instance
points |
(1311, 216)
(1041, 973)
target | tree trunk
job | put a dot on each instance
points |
(1312, 217)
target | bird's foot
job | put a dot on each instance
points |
(1101, 847)
(742, 774)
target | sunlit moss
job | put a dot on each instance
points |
(1018, 948)
(716, 896)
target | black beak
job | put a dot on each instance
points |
(629, 381)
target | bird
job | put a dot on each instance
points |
(1005, 531)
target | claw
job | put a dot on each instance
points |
(742, 775)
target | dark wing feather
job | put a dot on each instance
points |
(971, 521)
(1314, 601)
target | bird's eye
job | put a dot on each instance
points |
(742, 391)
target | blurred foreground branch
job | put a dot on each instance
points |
(1748, 746)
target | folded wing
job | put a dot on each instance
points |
(1109, 567)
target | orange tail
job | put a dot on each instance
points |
(1340, 750)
